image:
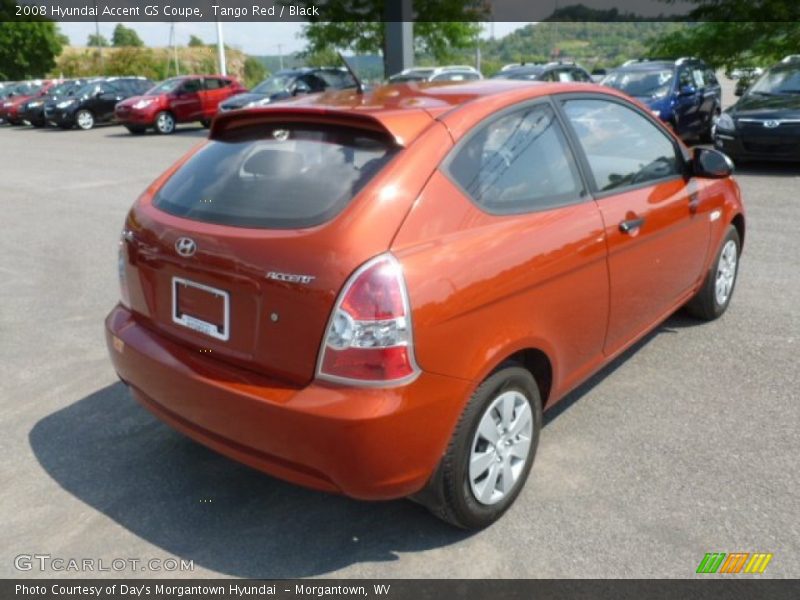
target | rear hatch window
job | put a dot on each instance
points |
(284, 176)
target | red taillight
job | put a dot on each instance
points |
(369, 339)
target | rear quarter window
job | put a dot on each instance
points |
(283, 176)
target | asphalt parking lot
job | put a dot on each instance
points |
(688, 444)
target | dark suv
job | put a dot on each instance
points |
(764, 124)
(683, 93)
(288, 83)
(554, 71)
(94, 102)
(33, 110)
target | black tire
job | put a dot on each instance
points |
(449, 494)
(206, 123)
(165, 123)
(136, 129)
(84, 119)
(706, 304)
(39, 124)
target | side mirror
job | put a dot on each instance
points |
(712, 164)
(688, 90)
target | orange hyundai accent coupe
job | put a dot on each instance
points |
(378, 294)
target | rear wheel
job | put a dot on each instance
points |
(84, 119)
(165, 123)
(135, 129)
(714, 297)
(206, 123)
(490, 453)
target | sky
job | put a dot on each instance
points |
(253, 38)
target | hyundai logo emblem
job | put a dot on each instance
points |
(185, 246)
(771, 124)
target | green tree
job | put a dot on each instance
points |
(28, 50)
(732, 44)
(254, 71)
(323, 57)
(441, 28)
(195, 42)
(97, 40)
(441, 40)
(125, 36)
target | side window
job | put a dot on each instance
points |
(452, 76)
(212, 83)
(549, 76)
(579, 75)
(316, 84)
(711, 79)
(684, 78)
(191, 86)
(518, 163)
(565, 75)
(697, 76)
(622, 146)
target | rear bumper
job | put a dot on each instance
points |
(366, 443)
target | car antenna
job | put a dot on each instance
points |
(359, 85)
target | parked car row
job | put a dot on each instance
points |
(139, 104)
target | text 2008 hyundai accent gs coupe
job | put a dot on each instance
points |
(378, 294)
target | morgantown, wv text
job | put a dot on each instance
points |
(178, 591)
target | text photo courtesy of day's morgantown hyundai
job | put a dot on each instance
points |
(429, 302)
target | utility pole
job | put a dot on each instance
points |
(97, 38)
(221, 50)
(174, 45)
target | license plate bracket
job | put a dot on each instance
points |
(215, 304)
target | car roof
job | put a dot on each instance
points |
(404, 110)
(649, 65)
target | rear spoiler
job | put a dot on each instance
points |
(402, 126)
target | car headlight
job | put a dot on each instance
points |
(656, 113)
(143, 103)
(65, 103)
(7, 104)
(726, 122)
(35, 104)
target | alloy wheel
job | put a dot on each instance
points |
(726, 272)
(500, 447)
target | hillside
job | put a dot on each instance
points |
(155, 63)
(591, 43)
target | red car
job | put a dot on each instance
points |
(177, 100)
(378, 294)
(22, 92)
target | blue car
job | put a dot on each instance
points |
(683, 93)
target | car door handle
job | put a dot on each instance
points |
(694, 202)
(630, 225)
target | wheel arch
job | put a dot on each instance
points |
(738, 223)
(538, 363)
